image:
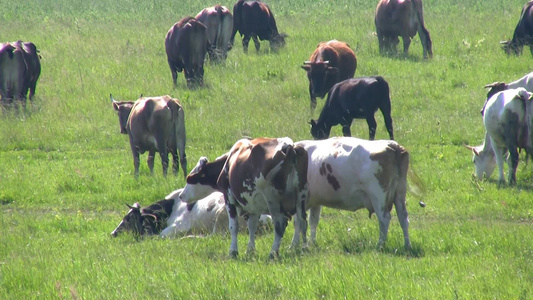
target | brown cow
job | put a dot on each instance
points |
(186, 45)
(331, 62)
(254, 19)
(154, 124)
(33, 64)
(219, 22)
(260, 176)
(403, 18)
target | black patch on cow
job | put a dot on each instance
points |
(323, 169)
(211, 205)
(333, 181)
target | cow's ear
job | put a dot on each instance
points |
(312, 123)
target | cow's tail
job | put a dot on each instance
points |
(237, 17)
(422, 31)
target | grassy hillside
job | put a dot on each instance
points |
(66, 171)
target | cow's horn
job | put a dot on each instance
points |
(307, 62)
(149, 215)
(326, 62)
(469, 147)
(491, 84)
(504, 42)
(111, 97)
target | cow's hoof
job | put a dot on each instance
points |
(273, 255)
(233, 253)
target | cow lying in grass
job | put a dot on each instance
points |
(171, 217)
(508, 121)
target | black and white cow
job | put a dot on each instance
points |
(355, 98)
(260, 176)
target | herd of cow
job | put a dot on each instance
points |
(270, 180)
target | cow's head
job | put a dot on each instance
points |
(483, 159)
(132, 221)
(202, 180)
(123, 110)
(318, 74)
(495, 87)
(319, 130)
(511, 48)
(278, 41)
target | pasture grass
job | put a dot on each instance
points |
(66, 172)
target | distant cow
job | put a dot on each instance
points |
(20, 68)
(219, 23)
(254, 19)
(350, 174)
(403, 18)
(154, 124)
(357, 98)
(525, 82)
(260, 176)
(523, 33)
(508, 122)
(331, 62)
(186, 45)
(171, 217)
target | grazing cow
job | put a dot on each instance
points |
(219, 23)
(403, 18)
(171, 217)
(331, 62)
(256, 176)
(254, 19)
(523, 33)
(354, 98)
(508, 119)
(349, 174)
(186, 44)
(525, 82)
(154, 124)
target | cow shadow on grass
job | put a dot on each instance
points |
(365, 246)
(404, 57)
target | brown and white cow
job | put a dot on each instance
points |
(403, 18)
(186, 45)
(350, 174)
(219, 22)
(20, 68)
(260, 176)
(254, 19)
(154, 124)
(523, 33)
(331, 62)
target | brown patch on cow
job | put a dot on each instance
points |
(389, 161)
(327, 170)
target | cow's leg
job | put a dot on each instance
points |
(314, 218)
(245, 42)
(135, 153)
(313, 98)
(406, 43)
(253, 221)
(388, 120)
(403, 216)
(498, 154)
(280, 224)
(163, 152)
(425, 39)
(381, 42)
(174, 72)
(384, 217)
(175, 165)
(150, 161)
(256, 42)
(346, 131)
(233, 229)
(513, 164)
(372, 125)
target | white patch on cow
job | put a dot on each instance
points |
(194, 192)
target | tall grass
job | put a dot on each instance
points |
(66, 172)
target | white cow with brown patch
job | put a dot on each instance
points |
(349, 174)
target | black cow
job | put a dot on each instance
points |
(254, 19)
(186, 45)
(357, 98)
(523, 33)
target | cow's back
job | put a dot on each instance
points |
(257, 18)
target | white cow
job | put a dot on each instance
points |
(349, 174)
(495, 87)
(208, 215)
(508, 121)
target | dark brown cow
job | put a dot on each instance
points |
(403, 18)
(20, 68)
(219, 22)
(154, 124)
(330, 63)
(256, 176)
(254, 19)
(186, 45)
(523, 33)
(357, 98)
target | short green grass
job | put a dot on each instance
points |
(66, 172)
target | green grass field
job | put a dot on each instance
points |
(66, 171)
